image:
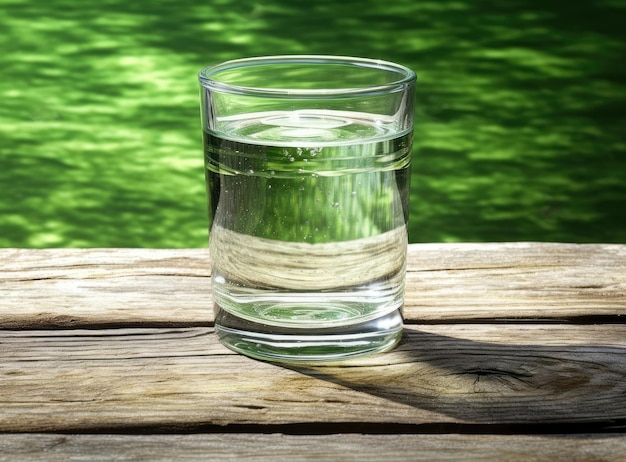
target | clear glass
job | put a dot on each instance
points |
(307, 169)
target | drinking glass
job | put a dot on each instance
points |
(307, 171)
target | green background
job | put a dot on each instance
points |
(519, 133)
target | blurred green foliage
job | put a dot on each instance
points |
(519, 134)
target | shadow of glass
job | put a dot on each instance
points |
(492, 383)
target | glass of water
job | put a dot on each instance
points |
(307, 169)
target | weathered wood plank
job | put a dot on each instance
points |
(515, 280)
(105, 287)
(181, 378)
(344, 447)
(91, 287)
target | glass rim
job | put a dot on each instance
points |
(406, 76)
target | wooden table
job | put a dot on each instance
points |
(512, 351)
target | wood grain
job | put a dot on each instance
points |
(182, 379)
(515, 281)
(445, 282)
(117, 344)
(343, 447)
(100, 287)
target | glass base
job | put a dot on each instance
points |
(292, 345)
